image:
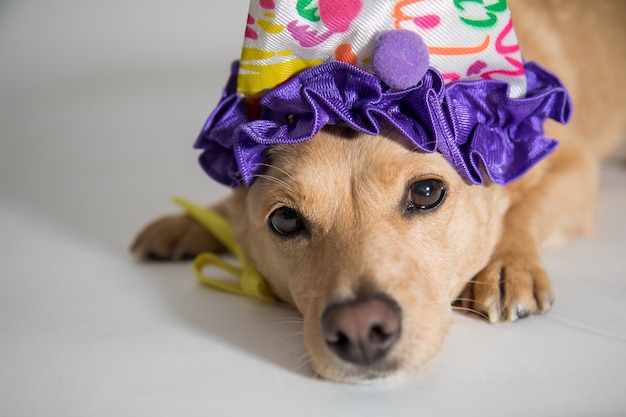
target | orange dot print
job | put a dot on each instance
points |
(344, 53)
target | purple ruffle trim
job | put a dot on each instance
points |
(472, 123)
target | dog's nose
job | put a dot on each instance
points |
(362, 331)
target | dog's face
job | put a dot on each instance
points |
(371, 241)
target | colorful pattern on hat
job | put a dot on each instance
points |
(466, 39)
(446, 74)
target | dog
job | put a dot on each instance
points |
(374, 242)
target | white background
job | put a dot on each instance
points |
(100, 102)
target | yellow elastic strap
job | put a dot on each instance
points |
(251, 283)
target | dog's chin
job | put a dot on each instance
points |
(339, 371)
(389, 371)
(402, 363)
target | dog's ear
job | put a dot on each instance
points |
(180, 237)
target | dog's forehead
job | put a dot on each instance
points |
(344, 158)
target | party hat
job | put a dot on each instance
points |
(448, 75)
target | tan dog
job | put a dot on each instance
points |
(373, 241)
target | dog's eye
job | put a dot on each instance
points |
(425, 195)
(286, 221)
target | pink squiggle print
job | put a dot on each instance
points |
(306, 36)
(250, 33)
(337, 16)
(517, 72)
(428, 21)
(267, 4)
(506, 49)
(476, 67)
(451, 77)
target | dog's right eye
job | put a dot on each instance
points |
(286, 222)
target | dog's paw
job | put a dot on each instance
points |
(174, 238)
(510, 287)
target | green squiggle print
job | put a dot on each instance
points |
(490, 10)
(309, 13)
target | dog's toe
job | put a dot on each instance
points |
(173, 238)
(511, 288)
(486, 292)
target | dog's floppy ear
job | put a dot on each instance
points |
(180, 237)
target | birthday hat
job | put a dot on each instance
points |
(448, 75)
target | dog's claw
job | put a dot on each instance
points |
(516, 313)
(491, 310)
(544, 301)
(522, 313)
(494, 316)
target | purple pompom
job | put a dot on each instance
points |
(400, 58)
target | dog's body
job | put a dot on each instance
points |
(373, 241)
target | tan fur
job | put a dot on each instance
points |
(481, 245)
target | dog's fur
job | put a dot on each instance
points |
(479, 247)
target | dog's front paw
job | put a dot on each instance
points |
(174, 238)
(510, 287)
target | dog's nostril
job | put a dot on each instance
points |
(379, 336)
(362, 331)
(339, 341)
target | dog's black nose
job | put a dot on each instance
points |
(362, 331)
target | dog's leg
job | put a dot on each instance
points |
(514, 283)
(180, 237)
(559, 204)
(173, 238)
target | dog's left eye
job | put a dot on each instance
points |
(425, 195)
(286, 222)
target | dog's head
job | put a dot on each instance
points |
(371, 240)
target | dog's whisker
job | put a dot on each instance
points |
(302, 363)
(278, 169)
(289, 320)
(290, 335)
(501, 281)
(470, 310)
(277, 181)
(471, 300)
(298, 322)
(237, 183)
(300, 334)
